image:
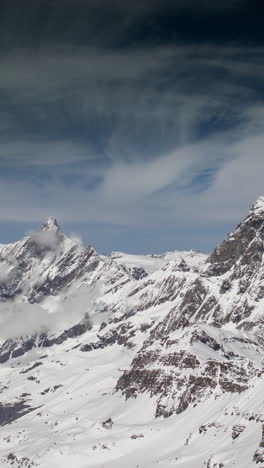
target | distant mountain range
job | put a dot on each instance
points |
(132, 361)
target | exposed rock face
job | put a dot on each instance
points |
(258, 456)
(261, 444)
(108, 424)
(12, 460)
(237, 430)
(245, 244)
(16, 348)
(180, 378)
(10, 412)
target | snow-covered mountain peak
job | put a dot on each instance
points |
(245, 244)
(258, 206)
(50, 224)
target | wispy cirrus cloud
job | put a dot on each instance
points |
(157, 142)
(147, 192)
(92, 104)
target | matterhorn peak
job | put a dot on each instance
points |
(50, 224)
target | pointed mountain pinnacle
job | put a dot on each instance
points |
(258, 207)
(50, 225)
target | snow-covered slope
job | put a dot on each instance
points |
(129, 360)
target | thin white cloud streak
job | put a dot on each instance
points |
(34, 74)
(125, 182)
(17, 154)
(132, 181)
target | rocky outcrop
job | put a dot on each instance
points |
(10, 412)
(16, 348)
(181, 378)
(245, 244)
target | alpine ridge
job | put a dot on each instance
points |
(132, 360)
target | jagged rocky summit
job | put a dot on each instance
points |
(132, 360)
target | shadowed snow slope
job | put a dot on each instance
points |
(132, 360)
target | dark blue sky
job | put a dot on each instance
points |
(139, 126)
